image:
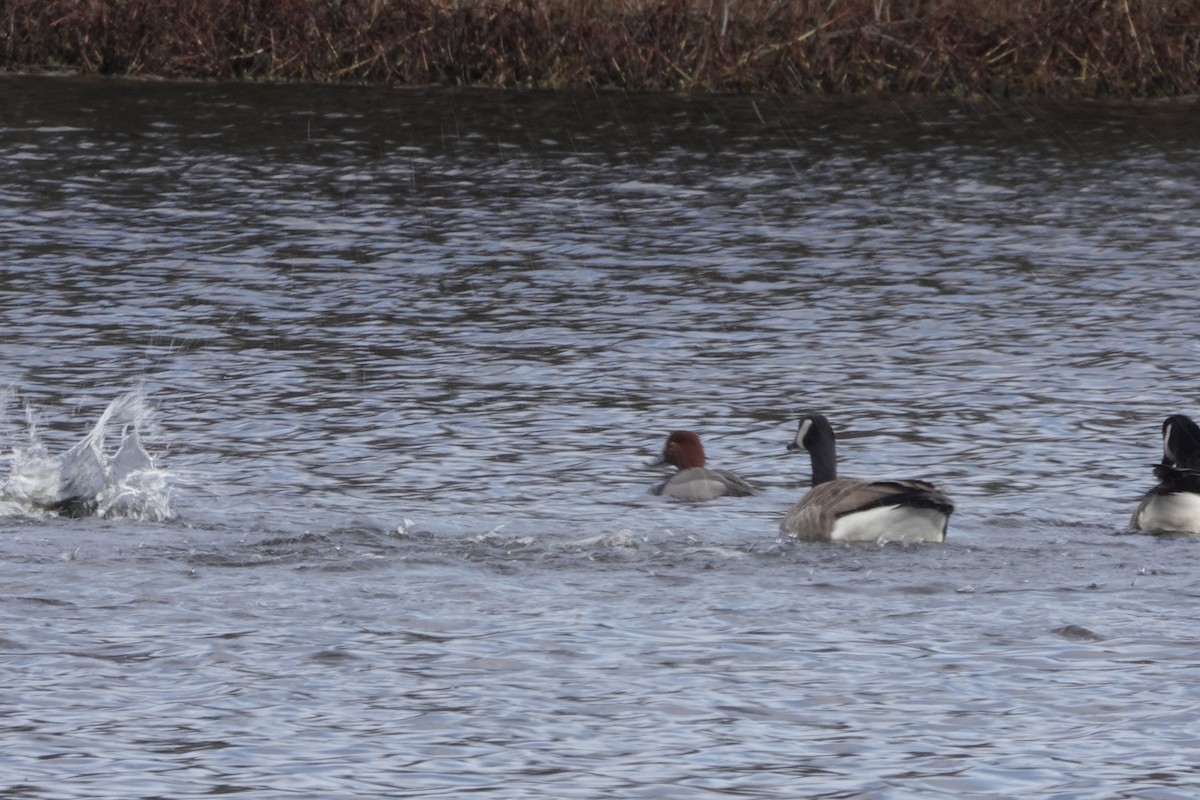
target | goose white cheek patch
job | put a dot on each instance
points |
(800, 434)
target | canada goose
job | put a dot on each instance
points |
(850, 510)
(694, 481)
(1174, 504)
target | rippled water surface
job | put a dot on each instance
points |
(410, 353)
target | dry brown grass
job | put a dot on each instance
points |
(1007, 47)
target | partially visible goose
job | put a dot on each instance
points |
(850, 510)
(1181, 442)
(1174, 504)
(694, 481)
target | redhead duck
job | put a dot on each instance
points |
(850, 510)
(694, 481)
(1174, 504)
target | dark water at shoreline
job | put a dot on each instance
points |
(411, 352)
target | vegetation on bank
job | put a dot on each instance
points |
(1092, 48)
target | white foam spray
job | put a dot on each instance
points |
(86, 480)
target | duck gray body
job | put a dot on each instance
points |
(701, 483)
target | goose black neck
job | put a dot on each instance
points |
(822, 447)
(1181, 445)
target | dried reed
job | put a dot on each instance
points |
(1007, 47)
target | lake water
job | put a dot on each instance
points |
(404, 357)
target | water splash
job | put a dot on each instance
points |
(86, 480)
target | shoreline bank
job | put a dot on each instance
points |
(1028, 48)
